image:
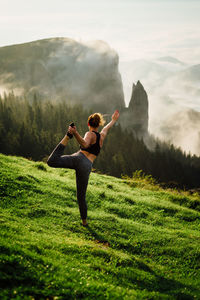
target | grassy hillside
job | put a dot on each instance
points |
(142, 242)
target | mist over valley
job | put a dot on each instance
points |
(92, 74)
(173, 89)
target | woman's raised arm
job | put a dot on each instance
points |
(115, 117)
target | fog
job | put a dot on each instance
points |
(183, 129)
(173, 89)
(6, 87)
(87, 73)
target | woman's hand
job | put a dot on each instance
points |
(115, 116)
(72, 130)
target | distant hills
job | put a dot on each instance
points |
(171, 59)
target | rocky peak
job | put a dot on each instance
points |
(138, 97)
(135, 117)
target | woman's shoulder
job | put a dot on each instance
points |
(90, 134)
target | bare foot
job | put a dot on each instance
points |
(84, 222)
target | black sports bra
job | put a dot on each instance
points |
(94, 148)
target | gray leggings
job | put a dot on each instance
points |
(83, 167)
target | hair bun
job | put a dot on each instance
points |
(95, 120)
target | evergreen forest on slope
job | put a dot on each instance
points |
(32, 129)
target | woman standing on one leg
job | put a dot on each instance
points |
(82, 160)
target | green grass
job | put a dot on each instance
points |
(142, 242)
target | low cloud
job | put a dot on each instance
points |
(183, 130)
(173, 91)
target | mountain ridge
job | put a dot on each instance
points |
(63, 68)
(171, 59)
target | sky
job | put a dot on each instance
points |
(134, 28)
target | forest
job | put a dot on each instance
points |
(33, 127)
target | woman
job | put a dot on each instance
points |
(82, 160)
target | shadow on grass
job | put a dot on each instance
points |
(159, 283)
(99, 238)
(14, 275)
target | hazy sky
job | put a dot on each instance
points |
(134, 28)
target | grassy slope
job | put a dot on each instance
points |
(142, 243)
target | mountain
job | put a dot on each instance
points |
(87, 74)
(135, 118)
(61, 68)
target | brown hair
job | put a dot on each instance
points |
(95, 120)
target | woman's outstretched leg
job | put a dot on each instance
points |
(57, 159)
